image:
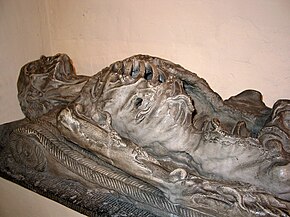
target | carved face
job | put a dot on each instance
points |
(147, 110)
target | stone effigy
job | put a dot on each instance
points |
(146, 137)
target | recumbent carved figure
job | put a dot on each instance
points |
(164, 125)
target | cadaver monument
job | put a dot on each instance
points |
(146, 137)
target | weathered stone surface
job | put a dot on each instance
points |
(146, 137)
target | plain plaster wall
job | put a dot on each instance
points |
(233, 44)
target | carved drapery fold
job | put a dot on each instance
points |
(84, 142)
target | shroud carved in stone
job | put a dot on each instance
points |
(146, 137)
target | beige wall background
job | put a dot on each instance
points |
(233, 44)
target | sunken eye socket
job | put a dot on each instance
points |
(138, 102)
